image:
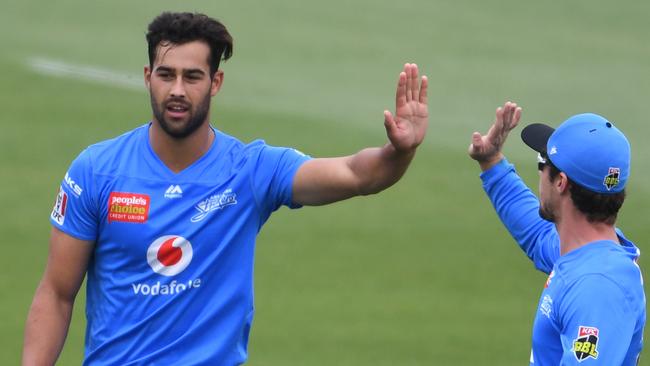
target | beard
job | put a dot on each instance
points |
(546, 212)
(195, 118)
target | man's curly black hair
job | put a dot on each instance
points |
(180, 28)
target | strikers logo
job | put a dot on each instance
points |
(128, 207)
(169, 255)
(612, 178)
(585, 345)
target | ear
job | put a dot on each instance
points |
(147, 76)
(561, 183)
(217, 81)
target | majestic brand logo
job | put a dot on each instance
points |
(76, 189)
(174, 191)
(612, 178)
(216, 202)
(169, 255)
(128, 207)
(585, 345)
(60, 205)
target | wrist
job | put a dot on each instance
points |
(393, 151)
(488, 163)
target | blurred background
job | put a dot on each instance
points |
(422, 274)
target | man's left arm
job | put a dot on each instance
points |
(326, 180)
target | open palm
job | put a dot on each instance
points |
(407, 128)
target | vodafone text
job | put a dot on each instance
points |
(158, 288)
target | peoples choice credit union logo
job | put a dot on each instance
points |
(169, 255)
(128, 207)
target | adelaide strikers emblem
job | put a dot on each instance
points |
(169, 255)
(612, 178)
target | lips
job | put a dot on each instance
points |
(177, 109)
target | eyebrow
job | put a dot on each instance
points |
(185, 71)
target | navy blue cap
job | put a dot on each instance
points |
(588, 148)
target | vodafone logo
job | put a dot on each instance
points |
(169, 255)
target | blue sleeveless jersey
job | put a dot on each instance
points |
(592, 307)
(170, 281)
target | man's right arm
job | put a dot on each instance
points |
(51, 310)
(518, 209)
(515, 204)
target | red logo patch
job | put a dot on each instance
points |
(128, 207)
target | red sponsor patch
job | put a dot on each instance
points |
(587, 331)
(128, 207)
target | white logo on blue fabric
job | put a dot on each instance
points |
(547, 306)
(76, 189)
(213, 203)
(174, 191)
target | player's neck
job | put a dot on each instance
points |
(178, 154)
(576, 231)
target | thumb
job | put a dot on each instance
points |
(477, 140)
(389, 122)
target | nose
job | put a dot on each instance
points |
(178, 88)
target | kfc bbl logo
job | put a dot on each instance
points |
(611, 180)
(585, 345)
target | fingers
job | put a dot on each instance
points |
(400, 97)
(409, 88)
(423, 90)
(517, 116)
(412, 81)
(512, 114)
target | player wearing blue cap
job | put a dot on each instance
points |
(163, 219)
(592, 307)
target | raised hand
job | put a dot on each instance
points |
(487, 149)
(407, 128)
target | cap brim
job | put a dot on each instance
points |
(536, 136)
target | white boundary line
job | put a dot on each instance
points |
(59, 68)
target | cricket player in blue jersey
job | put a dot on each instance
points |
(163, 219)
(592, 307)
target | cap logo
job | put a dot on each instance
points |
(553, 150)
(612, 178)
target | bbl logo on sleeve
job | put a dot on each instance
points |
(585, 345)
(612, 178)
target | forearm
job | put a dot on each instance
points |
(326, 180)
(376, 169)
(46, 327)
(518, 209)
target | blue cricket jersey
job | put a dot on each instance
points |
(592, 307)
(170, 280)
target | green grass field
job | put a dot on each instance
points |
(422, 274)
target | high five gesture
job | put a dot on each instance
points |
(407, 128)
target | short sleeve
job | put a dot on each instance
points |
(274, 174)
(597, 323)
(75, 210)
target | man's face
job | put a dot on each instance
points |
(180, 87)
(547, 206)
